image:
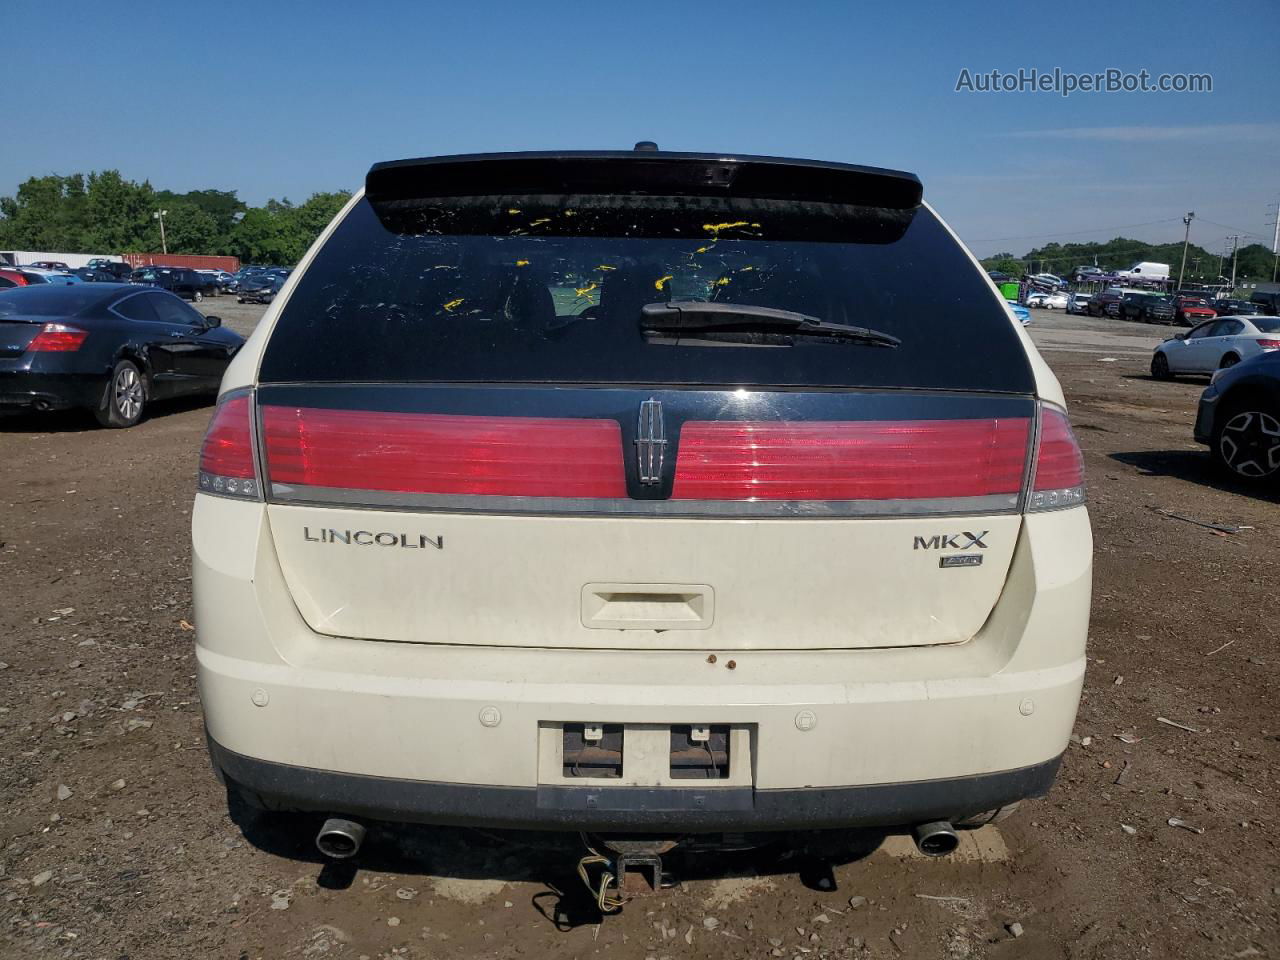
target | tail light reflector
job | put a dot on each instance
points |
(444, 453)
(1269, 344)
(226, 456)
(866, 460)
(1059, 470)
(58, 338)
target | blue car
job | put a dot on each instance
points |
(1019, 311)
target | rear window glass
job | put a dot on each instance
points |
(551, 290)
(49, 300)
(1267, 324)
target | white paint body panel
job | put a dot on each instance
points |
(883, 715)
(518, 580)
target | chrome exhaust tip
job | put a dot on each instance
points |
(936, 839)
(340, 839)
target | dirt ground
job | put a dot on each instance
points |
(115, 840)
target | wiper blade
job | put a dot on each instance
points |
(703, 317)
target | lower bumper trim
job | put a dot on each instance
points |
(694, 808)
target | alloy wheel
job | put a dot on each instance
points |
(127, 394)
(1250, 444)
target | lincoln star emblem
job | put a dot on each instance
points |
(651, 441)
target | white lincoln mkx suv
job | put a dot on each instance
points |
(640, 493)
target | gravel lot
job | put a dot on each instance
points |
(115, 841)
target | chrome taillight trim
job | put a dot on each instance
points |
(301, 495)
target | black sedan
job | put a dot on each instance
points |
(259, 288)
(106, 347)
(1239, 418)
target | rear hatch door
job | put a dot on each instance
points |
(469, 438)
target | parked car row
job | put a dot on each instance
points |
(1187, 309)
(253, 284)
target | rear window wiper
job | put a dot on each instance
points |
(750, 323)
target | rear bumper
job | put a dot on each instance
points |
(453, 733)
(281, 786)
(23, 390)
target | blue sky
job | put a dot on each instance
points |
(283, 99)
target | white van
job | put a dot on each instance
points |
(1146, 270)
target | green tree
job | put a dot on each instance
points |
(105, 213)
(46, 213)
(222, 205)
(120, 214)
(1254, 262)
(189, 229)
(260, 237)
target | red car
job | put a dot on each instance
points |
(1192, 310)
(12, 278)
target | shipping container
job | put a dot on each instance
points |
(193, 261)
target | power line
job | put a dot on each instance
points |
(1236, 230)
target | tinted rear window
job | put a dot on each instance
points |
(550, 290)
(49, 300)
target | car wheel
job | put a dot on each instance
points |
(1230, 360)
(1160, 367)
(1246, 443)
(125, 397)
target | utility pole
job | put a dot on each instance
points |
(1275, 243)
(1186, 238)
(160, 215)
(1235, 247)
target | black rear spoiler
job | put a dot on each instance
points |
(643, 173)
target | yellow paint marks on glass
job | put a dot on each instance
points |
(722, 282)
(662, 281)
(513, 211)
(453, 305)
(522, 263)
(583, 291)
(717, 227)
(605, 266)
(539, 222)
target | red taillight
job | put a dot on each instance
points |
(1059, 473)
(58, 338)
(1269, 344)
(226, 457)
(867, 460)
(443, 453)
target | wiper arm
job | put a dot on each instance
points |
(698, 316)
